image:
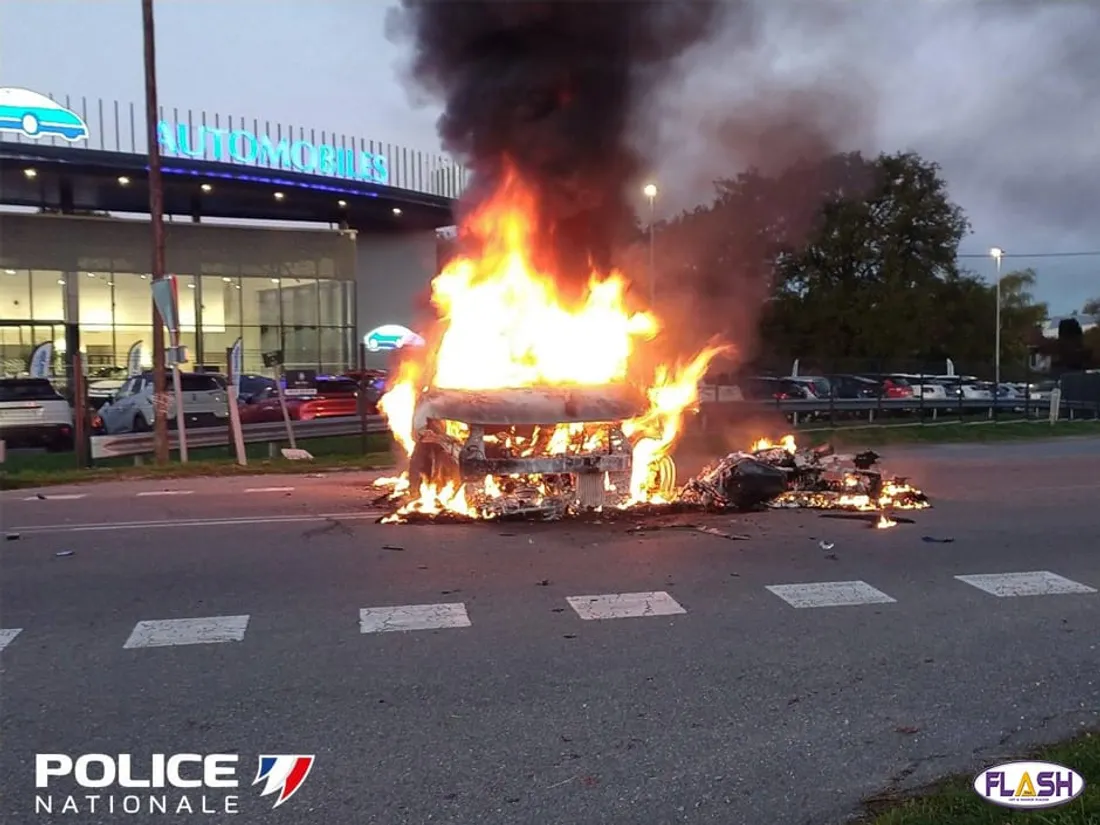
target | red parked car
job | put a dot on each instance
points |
(334, 398)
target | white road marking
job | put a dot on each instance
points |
(198, 522)
(269, 489)
(164, 493)
(625, 605)
(56, 497)
(413, 617)
(204, 631)
(1038, 583)
(829, 594)
(8, 636)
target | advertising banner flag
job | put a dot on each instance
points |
(167, 300)
(41, 358)
(133, 359)
(236, 363)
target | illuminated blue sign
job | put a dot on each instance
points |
(244, 147)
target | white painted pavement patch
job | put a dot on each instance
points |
(56, 497)
(413, 617)
(829, 594)
(1037, 583)
(625, 605)
(144, 493)
(269, 489)
(8, 636)
(203, 631)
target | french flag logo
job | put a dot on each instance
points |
(284, 773)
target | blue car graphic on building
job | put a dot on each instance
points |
(35, 116)
(390, 337)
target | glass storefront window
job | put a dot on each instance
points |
(15, 289)
(260, 302)
(47, 295)
(220, 318)
(95, 303)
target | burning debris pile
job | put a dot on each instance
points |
(779, 475)
(774, 475)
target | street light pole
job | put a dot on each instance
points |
(650, 191)
(156, 217)
(997, 254)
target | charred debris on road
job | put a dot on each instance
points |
(770, 475)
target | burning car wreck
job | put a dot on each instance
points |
(542, 452)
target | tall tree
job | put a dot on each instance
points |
(1091, 307)
(1020, 314)
(1071, 346)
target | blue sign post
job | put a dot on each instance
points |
(247, 148)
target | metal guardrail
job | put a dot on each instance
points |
(111, 446)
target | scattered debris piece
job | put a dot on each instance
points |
(907, 729)
(714, 531)
(392, 547)
(12, 537)
(543, 583)
(40, 496)
(934, 540)
(826, 545)
(63, 553)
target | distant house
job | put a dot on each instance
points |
(1087, 322)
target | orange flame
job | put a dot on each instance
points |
(503, 324)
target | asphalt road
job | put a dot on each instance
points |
(721, 703)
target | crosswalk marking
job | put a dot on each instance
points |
(269, 489)
(8, 636)
(1037, 583)
(200, 631)
(413, 617)
(144, 493)
(829, 594)
(625, 605)
(56, 497)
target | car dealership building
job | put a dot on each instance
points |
(358, 246)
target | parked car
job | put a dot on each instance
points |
(966, 388)
(893, 385)
(816, 386)
(334, 398)
(103, 383)
(34, 414)
(920, 386)
(854, 386)
(205, 404)
(766, 388)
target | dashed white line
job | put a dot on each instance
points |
(625, 605)
(269, 489)
(164, 493)
(243, 521)
(8, 636)
(413, 617)
(56, 497)
(202, 631)
(1037, 583)
(829, 594)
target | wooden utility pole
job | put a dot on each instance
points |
(156, 216)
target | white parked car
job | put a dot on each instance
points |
(34, 414)
(131, 410)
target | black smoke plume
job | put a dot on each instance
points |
(550, 88)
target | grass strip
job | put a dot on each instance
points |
(953, 801)
(32, 469)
